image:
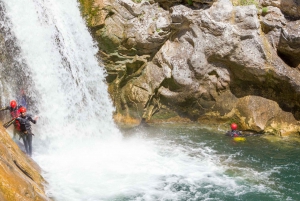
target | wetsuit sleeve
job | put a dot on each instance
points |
(18, 118)
(4, 108)
(32, 120)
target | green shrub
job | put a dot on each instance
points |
(246, 3)
(264, 10)
(190, 2)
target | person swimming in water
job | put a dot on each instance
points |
(234, 132)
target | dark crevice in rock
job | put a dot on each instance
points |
(290, 18)
(188, 109)
(111, 76)
(213, 72)
(290, 60)
(132, 70)
(282, 93)
(201, 6)
(170, 84)
(23, 170)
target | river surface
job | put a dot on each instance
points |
(174, 162)
(217, 168)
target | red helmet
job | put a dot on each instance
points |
(233, 126)
(13, 103)
(22, 110)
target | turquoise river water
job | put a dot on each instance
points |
(262, 168)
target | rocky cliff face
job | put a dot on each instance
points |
(209, 61)
(20, 175)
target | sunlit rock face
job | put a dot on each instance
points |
(202, 62)
(289, 7)
(283, 35)
(264, 115)
(19, 174)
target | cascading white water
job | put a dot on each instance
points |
(81, 151)
(61, 55)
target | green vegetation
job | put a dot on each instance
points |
(245, 2)
(190, 2)
(137, 1)
(264, 10)
(88, 11)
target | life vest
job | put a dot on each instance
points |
(15, 113)
(17, 125)
(235, 133)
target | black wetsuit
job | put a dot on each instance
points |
(234, 133)
(25, 127)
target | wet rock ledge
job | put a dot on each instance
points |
(20, 176)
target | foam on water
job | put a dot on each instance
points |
(132, 168)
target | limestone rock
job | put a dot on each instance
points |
(207, 62)
(289, 43)
(19, 174)
(288, 7)
(263, 115)
(291, 8)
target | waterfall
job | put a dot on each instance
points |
(56, 55)
(14, 75)
(71, 98)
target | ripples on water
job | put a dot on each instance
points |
(258, 169)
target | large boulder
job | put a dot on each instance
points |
(289, 44)
(263, 115)
(283, 35)
(289, 7)
(203, 62)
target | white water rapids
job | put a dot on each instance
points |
(82, 153)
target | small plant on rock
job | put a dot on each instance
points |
(264, 10)
(245, 2)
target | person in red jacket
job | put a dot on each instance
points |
(13, 108)
(25, 128)
(14, 112)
